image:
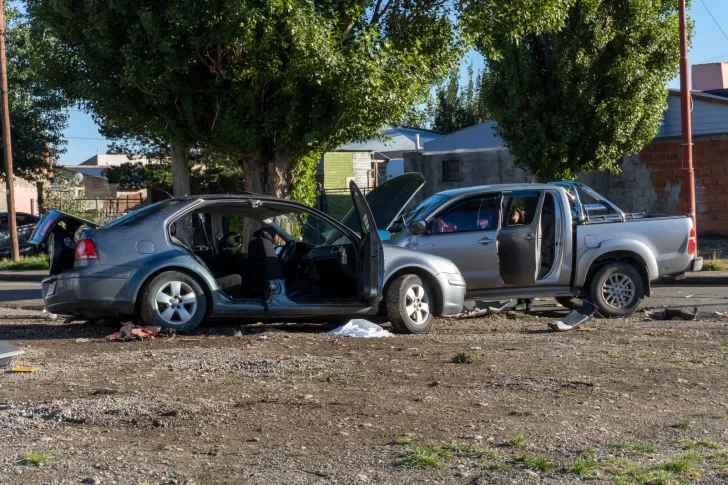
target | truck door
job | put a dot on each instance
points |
(518, 239)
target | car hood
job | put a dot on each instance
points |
(388, 200)
(51, 219)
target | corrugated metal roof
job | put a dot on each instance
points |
(396, 139)
(477, 137)
(92, 171)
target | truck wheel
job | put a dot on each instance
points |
(410, 303)
(617, 289)
(570, 302)
(173, 300)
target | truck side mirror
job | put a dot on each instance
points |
(417, 227)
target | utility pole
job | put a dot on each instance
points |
(7, 147)
(688, 175)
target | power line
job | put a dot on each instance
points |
(84, 138)
(716, 22)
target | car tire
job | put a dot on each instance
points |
(410, 302)
(173, 300)
(570, 302)
(617, 289)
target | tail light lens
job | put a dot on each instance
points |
(692, 242)
(85, 250)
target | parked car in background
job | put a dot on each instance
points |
(178, 261)
(26, 224)
(558, 240)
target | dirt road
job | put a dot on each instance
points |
(630, 401)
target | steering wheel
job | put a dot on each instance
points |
(289, 250)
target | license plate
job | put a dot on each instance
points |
(51, 288)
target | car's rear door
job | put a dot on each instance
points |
(370, 267)
(518, 238)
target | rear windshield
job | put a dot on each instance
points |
(134, 216)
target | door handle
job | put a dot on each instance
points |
(485, 241)
(529, 237)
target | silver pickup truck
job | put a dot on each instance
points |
(559, 240)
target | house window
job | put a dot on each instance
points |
(450, 170)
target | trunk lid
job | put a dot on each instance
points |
(51, 219)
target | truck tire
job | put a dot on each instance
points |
(410, 302)
(617, 289)
(570, 302)
(173, 300)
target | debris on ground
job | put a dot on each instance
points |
(722, 314)
(360, 328)
(7, 352)
(23, 369)
(48, 315)
(137, 332)
(191, 339)
(670, 313)
(479, 308)
(574, 318)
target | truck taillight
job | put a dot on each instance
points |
(85, 250)
(692, 243)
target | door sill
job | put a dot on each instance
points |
(524, 292)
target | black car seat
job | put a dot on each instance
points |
(263, 262)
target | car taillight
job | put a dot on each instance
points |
(86, 249)
(692, 243)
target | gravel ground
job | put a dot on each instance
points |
(625, 401)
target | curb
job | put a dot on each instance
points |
(29, 277)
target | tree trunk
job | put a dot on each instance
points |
(267, 174)
(180, 172)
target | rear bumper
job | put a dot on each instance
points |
(696, 265)
(89, 294)
(453, 293)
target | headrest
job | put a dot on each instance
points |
(231, 241)
(265, 232)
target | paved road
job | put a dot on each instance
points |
(707, 298)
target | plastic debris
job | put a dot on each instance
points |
(479, 308)
(24, 369)
(191, 339)
(7, 352)
(48, 315)
(670, 313)
(136, 332)
(360, 328)
(574, 318)
(722, 314)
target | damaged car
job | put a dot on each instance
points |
(176, 262)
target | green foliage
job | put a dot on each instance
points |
(425, 456)
(64, 195)
(636, 448)
(580, 98)
(37, 458)
(464, 358)
(533, 462)
(216, 179)
(683, 464)
(303, 177)
(37, 113)
(714, 265)
(457, 108)
(36, 261)
(518, 441)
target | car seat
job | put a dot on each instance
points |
(263, 262)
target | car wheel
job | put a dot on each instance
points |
(570, 302)
(410, 303)
(173, 300)
(617, 289)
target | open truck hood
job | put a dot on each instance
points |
(388, 200)
(50, 221)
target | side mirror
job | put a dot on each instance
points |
(417, 227)
(384, 235)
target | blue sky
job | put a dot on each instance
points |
(709, 45)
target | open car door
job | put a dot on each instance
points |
(370, 267)
(518, 241)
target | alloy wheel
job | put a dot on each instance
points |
(417, 304)
(618, 290)
(176, 302)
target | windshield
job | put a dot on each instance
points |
(425, 208)
(136, 215)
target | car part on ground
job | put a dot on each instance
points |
(7, 352)
(672, 313)
(574, 319)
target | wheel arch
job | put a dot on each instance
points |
(426, 276)
(180, 269)
(632, 258)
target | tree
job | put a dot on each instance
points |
(580, 98)
(37, 113)
(456, 108)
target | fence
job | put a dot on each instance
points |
(100, 211)
(337, 202)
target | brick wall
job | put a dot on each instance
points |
(650, 181)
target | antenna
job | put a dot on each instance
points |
(534, 176)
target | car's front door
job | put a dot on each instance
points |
(370, 268)
(466, 233)
(518, 239)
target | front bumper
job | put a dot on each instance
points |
(88, 294)
(453, 293)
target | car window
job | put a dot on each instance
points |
(520, 208)
(3, 223)
(137, 215)
(475, 214)
(23, 220)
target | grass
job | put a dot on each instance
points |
(691, 444)
(37, 458)
(36, 261)
(683, 465)
(584, 465)
(431, 455)
(683, 424)
(463, 358)
(714, 264)
(533, 462)
(498, 466)
(234, 381)
(518, 441)
(521, 412)
(424, 456)
(636, 448)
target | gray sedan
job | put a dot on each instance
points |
(178, 261)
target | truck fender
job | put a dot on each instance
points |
(621, 248)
